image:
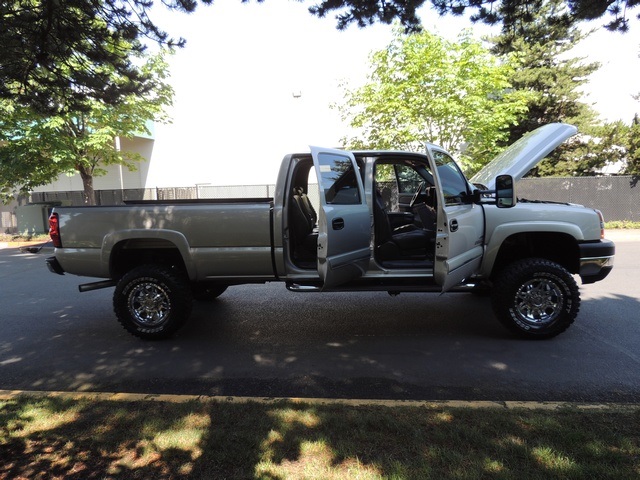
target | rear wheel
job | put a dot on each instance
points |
(152, 302)
(536, 298)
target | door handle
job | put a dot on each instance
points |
(337, 223)
(453, 225)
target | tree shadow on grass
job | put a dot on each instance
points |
(58, 438)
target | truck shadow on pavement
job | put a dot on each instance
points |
(265, 341)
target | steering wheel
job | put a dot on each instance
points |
(414, 199)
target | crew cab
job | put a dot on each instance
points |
(386, 221)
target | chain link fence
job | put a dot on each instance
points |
(617, 197)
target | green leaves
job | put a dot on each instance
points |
(61, 56)
(422, 88)
(35, 148)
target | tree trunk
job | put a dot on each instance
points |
(87, 182)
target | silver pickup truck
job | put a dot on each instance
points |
(386, 221)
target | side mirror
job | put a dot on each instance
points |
(505, 192)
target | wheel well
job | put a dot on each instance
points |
(557, 247)
(132, 253)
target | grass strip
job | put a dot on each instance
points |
(55, 437)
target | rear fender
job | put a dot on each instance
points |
(176, 238)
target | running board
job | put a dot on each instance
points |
(391, 289)
(294, 287)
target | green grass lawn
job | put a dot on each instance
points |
(90, 438)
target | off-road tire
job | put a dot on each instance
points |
(535, 298)
(152, 302)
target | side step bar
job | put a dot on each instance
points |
(294, 287)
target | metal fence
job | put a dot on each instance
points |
(617, 197)
(119, 197)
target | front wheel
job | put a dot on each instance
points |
(535, 298)
(152, 302)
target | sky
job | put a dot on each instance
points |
(256, 81)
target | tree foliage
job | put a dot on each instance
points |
(43, 41)
(505, 12)
(35, 147)
(422, 88)
(540, 49)
(62, 56)
(586, 154)
(633, 148)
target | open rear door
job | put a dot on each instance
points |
(344, 221)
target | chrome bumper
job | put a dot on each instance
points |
(596, 260)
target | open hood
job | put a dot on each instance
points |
(524, 154)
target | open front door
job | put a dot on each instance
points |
(460, 230)
(344, 222)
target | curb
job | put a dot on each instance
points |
(431, 404)
(35, 243)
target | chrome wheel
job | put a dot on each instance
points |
(535, 298)
(539, 301)
(149, 304)
(152, 301)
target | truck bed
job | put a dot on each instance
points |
(216, 238)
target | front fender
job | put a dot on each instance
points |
(504, 231)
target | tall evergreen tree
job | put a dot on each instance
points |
(61, 56)
(539, 46)
(633, 148)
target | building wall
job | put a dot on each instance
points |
(117, 177)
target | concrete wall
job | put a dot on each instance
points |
(116, 176)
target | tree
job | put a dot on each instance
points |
(40, 38)
(506, 12)
(633, 149)
(35, 148)
(539, 48)
(424, 88)
(62, 56)
(586, 154)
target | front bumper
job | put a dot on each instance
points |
(596, 260)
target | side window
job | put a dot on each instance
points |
(338, 179)
(387, 185)
(454, 185)
(408, 179)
